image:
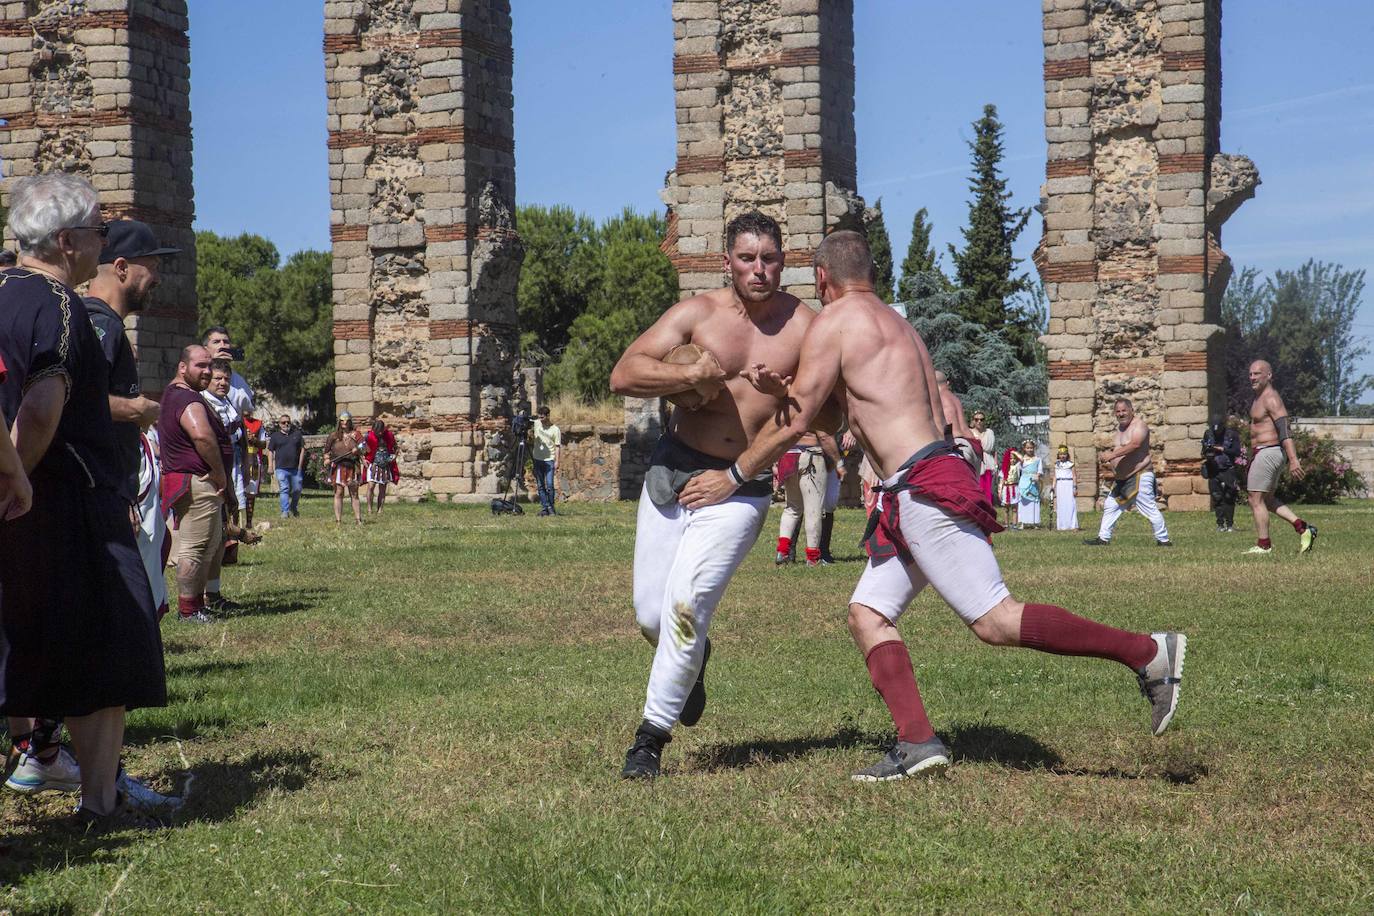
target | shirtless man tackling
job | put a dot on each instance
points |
(1270, 443)
(684, 558)
(932, 518)
(1133, 471)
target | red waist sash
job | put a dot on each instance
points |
(937, 473)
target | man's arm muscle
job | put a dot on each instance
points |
(641, 372)
(195, 420)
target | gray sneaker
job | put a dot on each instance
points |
(146, 799)
(1162, 679)
(907, 759)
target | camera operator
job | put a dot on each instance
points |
(548, 444)
(1220, 449)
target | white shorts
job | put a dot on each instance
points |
(951, 553)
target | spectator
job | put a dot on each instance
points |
(1028, 487)
(195, 479)
(342, 452)
(252, 466)
(1220, 451)
(220, 345)
(287, 445)
(381, 463)
(78, 632)
(988, 472)
(547, 451)
(1065, 491)
(217, 397)
(1011, 476)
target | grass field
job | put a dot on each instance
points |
(430, 715)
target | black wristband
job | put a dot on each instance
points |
(736, 476)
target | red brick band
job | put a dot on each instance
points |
(1067, 69)
(1186, 362)
(154, 216)
(1181, 162)
(115, 117)
(1185, 60)
(1067, 370)
(425, 38)
(461, 327)
(1069, 168)
(696, 63)
(1183, 467)
(1183, 264)
(342, 233)
(356, 329)
(346, 139)
(700, 263)
(1069, 272)
(25, 28)
(699, 165)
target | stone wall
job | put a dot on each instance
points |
(1136, 191)
(101, 88)
(422, 179)
(1354, 437)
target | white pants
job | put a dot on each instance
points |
(684, 558)
(832, 492)
(1144, 501)
(950, 552)
(805, 492)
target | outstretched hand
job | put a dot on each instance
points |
(767, 381)
(707, 489)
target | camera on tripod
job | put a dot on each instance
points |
(520, 425)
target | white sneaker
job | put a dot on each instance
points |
(32, 775)
(1257, 549)
(1161, 680)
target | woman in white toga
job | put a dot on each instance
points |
(1065, 492)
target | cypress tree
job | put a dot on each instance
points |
(986, 268)
(920, 257)
(880, 246)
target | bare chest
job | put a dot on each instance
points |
(742, 346)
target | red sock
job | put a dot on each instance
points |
(1265, 543)
(188, 606)
(784, 545)
(889, 667)
(813, 555)
(1299, 525)
(1053, 629)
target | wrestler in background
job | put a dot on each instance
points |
(1271, 441)
(685, 558)
(932, 518)
(1134, 476)
(969, 443)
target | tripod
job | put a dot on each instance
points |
(504, 505)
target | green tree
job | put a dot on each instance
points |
(282, 317)
(986, 267)
(635, 285)
(920, 257)
(1333, 296)
(562, 268)
(880, 246)
(982, 365)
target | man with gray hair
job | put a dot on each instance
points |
(1133, 476)
(1271, 449)
(79, 638)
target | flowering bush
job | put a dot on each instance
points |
(1328, 474)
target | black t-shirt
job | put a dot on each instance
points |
(109, 330)
(45, 331)
(286, 447)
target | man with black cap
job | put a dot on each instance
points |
(124, 281)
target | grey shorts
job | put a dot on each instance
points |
(1265, 467)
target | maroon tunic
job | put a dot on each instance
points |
(180, 460)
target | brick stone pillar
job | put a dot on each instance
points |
(765, 121)
(426, 258)
(102, 90)
(1135, 195)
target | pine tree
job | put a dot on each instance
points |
(920, 257)
(880, 246)
(986, 268)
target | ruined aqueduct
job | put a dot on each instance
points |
(422, 178)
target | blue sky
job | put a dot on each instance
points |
(594, 116)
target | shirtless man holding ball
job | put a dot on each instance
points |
(707, 354)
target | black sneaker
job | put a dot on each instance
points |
(696, 700)
(642, 759)
(199, 617)
(223, 606)
(907, 759)
(1095, 542)
(1164, 543)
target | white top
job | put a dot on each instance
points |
(547, 439)
(989, 457)
(226, 411)
(1063, 470)
(240, 395)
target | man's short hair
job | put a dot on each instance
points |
(752, 223)
(219, 364)
(1119, 401)
(215, 329)
(543, 410)
(845, 257)
(187, 350)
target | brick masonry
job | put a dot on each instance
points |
(1135, 194)
(101, 88)
(426, 257)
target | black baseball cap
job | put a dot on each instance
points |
(129, 239)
